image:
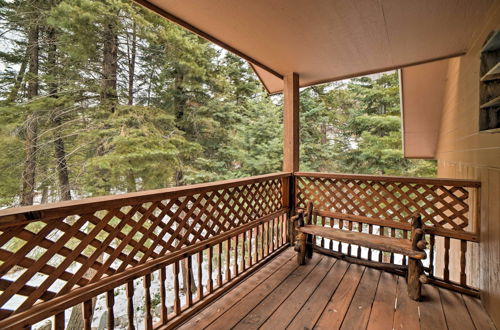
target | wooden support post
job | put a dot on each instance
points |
(288, 201)
(291, 123)
(291, 139)
(415, 268)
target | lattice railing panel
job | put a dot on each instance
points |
(441, 206)
(42, 259)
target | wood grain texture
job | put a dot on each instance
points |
(337, 307)
(264, 308)
(382, 313)
(296, 300)
(358, 314)
(216, 309)
(478, 315)
(348, 296)
(431, 310)
(466, 153)
(389, 244)
(291, 122)
(406, 313)
(309, 314)
(455, 311)
(234, 314)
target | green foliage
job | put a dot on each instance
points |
(190, 113)
(357, 124)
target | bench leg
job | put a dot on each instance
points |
(301, 248)
(415, 270)
(309, 246)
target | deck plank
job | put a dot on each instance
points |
(328, 293)
(292, 305)
(334, 312)
(292, 272)
(266, 307)
(406, 313)
(312, 310)
(455, 311)
(212, 312)
(431, 310)
(479, 316)
(358, 314)
(382, 314)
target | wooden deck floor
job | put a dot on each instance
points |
(331, 294)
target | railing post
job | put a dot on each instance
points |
(290, 140)
(291, 122)
(288, 201)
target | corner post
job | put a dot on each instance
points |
(291, 140)
(291, 123)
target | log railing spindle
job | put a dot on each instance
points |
(177, 300)
(59, 321)
(210, 282)
(463, 252)
(163, 297)
(187, 279)
(148, 318)
(446, 271)
(87, 308)
(199, 288)
(110, 303)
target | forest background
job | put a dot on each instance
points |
(104, 97)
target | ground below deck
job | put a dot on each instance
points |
(331, 294)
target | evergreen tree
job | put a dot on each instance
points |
(107, 97)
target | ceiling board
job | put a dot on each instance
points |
(325, 40)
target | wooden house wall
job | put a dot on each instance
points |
(464, 152)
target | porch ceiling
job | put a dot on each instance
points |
(327, 40)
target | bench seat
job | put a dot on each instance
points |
(382, 243)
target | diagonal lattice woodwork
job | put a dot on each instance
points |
(46, 258)
(441, 206)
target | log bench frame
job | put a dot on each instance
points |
(305, 231)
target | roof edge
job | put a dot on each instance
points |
(182, 23)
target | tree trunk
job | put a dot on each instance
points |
(132, 49)
(109, 96)
(62, 167)
(179, 178)
(131, 183)
(31, 124)
(324, 139)
(179, 98)
(19, 78)
(60, 151)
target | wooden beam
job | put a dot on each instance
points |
(291, 123)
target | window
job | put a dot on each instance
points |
(489, 86)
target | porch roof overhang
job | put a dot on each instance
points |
(327, 40)
(423, 89)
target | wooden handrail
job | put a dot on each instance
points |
(468, 236)
(387, 178)
(449, 208)
(20, 215)
(169, 226)
(59, 304)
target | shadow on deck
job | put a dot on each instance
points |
(331, 294)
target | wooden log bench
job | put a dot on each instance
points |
(412, 248)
